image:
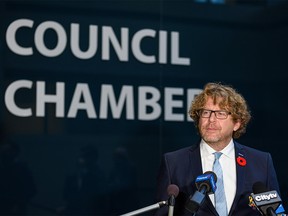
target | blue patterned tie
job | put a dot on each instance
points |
(220, 199)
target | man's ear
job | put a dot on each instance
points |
(237, 126)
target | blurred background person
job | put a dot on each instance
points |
(85, 192)
(17, 186)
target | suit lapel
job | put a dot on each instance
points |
(195, 161)
(240, 175)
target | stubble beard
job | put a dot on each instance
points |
(216, 141)
(211, 140)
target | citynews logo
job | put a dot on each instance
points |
(203, 177)
(264, 197)
(208, 180)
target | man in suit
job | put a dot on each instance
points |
(221, 115)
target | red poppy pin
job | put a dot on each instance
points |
(241, 161)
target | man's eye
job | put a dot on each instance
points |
(222, 113)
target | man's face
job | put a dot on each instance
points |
(216, 132)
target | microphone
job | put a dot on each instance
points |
(206, 184)
(173, 192)
(146, 209)
(265, 201)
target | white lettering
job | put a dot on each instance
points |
(75, 42)
(191, 94)
(108, 35)
(108, 96)
(147, 103)
(42, 99)
(82, 89)
(11, 37)
(163, 47)
(136, 46)
(175, 58)
(144, 102)
(61, 38)
(120, 44)
(10, 98)
(170, 104)
(264, 197)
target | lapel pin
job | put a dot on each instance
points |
(241, 161)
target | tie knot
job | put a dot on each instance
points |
(217, 155)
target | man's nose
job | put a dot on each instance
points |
(212, 116)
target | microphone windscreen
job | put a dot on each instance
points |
(173, 190)
(214, 175)
(259, 187)
(267, 202)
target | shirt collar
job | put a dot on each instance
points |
(227, 151)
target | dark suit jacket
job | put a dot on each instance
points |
(182, 167)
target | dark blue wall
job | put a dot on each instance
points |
(244, 45)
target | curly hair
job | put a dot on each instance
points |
(228, 99)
